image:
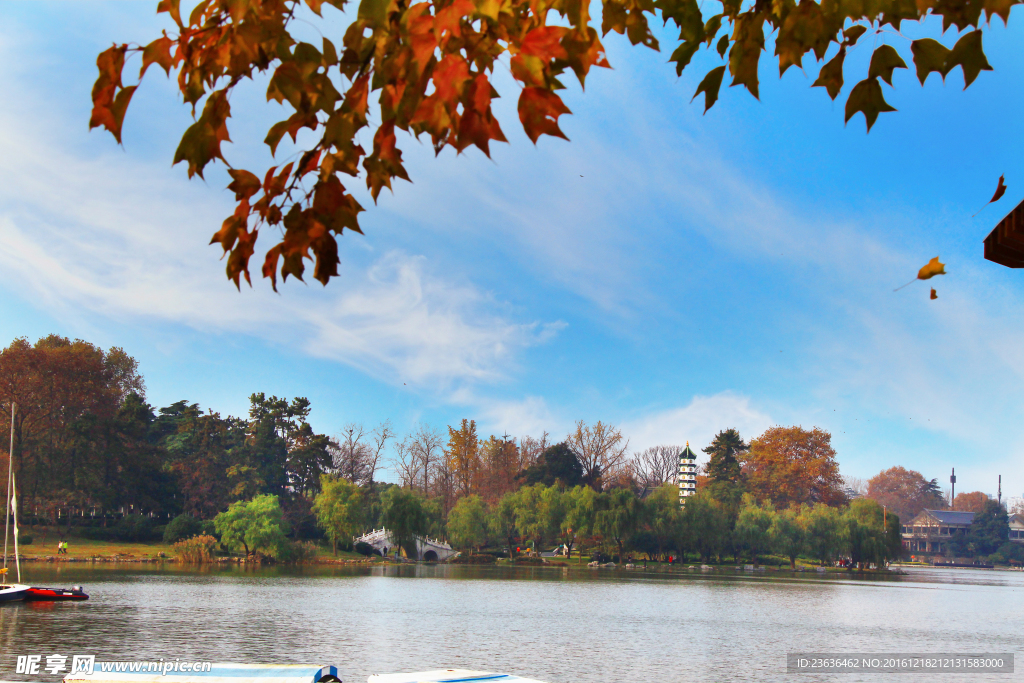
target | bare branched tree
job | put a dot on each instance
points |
(427, 445)
(655, 466)
(352, 454)
(856, 485)
(407, 463)
(444, 483)
(601, 450)
(379, 438)
(530, 449)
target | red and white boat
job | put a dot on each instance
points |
(37, 594)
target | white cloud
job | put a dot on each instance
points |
(530, 416)
(125, 240)
(423, 328)
(697, 422)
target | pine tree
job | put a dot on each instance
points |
(724, 465)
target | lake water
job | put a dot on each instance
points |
(556, 625)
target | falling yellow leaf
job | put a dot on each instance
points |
(931, 269)
(934, 295)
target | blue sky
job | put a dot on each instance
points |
(670, 272)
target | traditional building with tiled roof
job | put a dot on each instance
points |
(1017, 528)
(931, 530)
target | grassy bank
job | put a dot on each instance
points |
(44, 547)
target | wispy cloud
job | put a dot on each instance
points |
(119, 238)
(697, 422)
(420, 328)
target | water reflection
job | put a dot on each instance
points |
(555, 624)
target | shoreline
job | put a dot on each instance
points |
(657, 568)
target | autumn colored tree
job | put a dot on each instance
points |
(499, 465)
(975, 502)
(601, 450)
(905, 492)
(429, 68)
(69, 394)
(463, 456)
(790, 465)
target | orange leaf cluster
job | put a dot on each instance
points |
(429, 66)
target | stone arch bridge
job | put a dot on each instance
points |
(427, 549)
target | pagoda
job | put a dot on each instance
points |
(687, 473)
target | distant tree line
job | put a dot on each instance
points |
(87, 444)
(633, 509)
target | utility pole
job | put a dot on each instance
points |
(1000, 498)
(952, 490)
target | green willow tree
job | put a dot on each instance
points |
(467, 523)
(338, 509)
(256, 525)
(404, 514)
(753, 527)
(429, 66)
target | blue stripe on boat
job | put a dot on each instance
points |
(299, 672)
(314, 673)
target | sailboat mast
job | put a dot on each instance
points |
(14, 510)
(10, 463)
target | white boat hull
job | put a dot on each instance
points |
(13, 592)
